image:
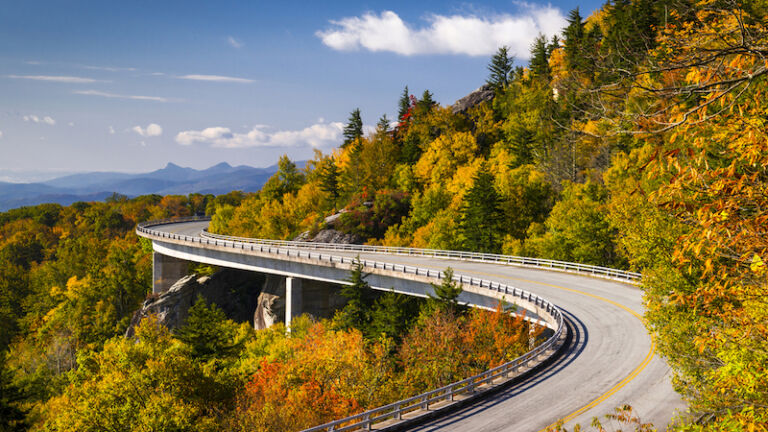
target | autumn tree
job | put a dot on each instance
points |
(287, 180)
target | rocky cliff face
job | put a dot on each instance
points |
(236, 292)
(483, 94)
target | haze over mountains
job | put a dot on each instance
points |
(171, 180)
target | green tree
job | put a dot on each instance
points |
(403, 105)
(356, 314)
(354, 128)
(329, 179)
(445, 297)
(287, 179)
(578, 229)
(392, 315)
(539, 63)
(574, 37)
(500, 68)
(481, 215)
(12, 416)
(383, 125)
(208, 332)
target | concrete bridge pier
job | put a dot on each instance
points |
(166, 270)
(293, 299)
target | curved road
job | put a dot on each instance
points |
(611, 361)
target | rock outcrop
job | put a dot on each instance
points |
(329, 234)
(236, 292)
(483, 94)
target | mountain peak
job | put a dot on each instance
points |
(221, 165)
(171, 165)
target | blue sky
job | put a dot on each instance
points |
(132, 85)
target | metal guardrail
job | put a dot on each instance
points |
(604, 272)
(397, 409)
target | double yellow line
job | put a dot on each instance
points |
(622, 383)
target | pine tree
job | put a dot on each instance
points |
(539, 64)
(329, 179)
(481, 214)
(354, 128)
(392, 314)
(357, 312)
(208, 332)
(574, 39)
(500, 68)
(403, 105)
(425, 104)
(446, 294)
(383, 125)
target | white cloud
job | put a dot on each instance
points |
(455, 34)
(318, 135)
(111, 130)
(216, 78)
(61, 79)
(39, 120)
(1, 134)
(71, 124)
(119, 96)
(234, 42)
(152, 130)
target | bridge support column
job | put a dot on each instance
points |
(166, 270)
(293, 299)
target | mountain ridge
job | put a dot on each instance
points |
(172, 179)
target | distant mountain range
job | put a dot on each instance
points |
(171, 180)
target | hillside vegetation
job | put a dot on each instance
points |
(636, 139)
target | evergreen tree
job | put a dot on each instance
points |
(575, 40)
(329, 179)
(539, 64)
(481, 214)
(446, 294)
(411, 149)
(425, 104)
(357, 312)
(354, 128)
(383, 125)
(208, 332)
(392, 315)
(403, 105)
(500, 68)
